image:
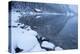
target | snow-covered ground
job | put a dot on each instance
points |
(23, 38)
(47, 44)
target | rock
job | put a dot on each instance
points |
(47, 44)
(58, 48)
(27, 41)
(37, 17)
(14, 18)
(43, 38)
(37, 10)
(37, 48)
(24, 39)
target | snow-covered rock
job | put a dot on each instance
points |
(28, 28)
(25, 39)
(47, 44)
(37, 17)
(14, 18)
(43, 38)
(28, 40)
(58, 48)
(37, 10)
(37, 48)
(16, 33)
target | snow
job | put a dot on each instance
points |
(58, 48)
(14, 18)
(31, 13)
(37, 17)
(16, 32)
(38, 10)
(37, 48)
(47, 44)
(43, 38)
(23, 38)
